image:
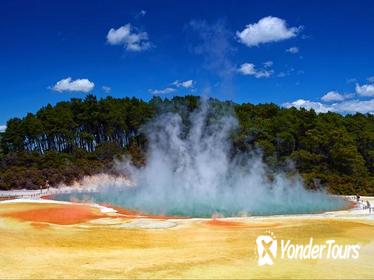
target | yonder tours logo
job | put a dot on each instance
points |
(267, 250)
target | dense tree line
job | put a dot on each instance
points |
(77, 125)
(64, 142)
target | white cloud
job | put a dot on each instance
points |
(128, 36)
(185, 84)
(249, 69)
(2, 128)
(267, 29)
(188, 84)
(162, 91)
(349, 106)
(106, 89)
(353, 106)
(263, 73)
(293, 50)
(332, 96)
(268, 64)
(341, 103)
(80, 85)
(371, 79)
(365, 90)
(307, 104)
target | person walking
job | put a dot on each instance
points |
(368, 206)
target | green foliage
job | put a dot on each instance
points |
(62, 143)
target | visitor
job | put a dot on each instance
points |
(358, 197)
(368, 205)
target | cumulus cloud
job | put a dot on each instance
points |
(106, 89)
(353, 106)
(188, 84)
(249, 69)
(184, 84)
(365, 90)
(341, 103)
(307, 104)
(78, 85)
(268, 64)
(371, 79)
(266, 30)
(333, 96)
(348, 106)
(129, 37)
(161, 91)
(293, 50)
(2, 128)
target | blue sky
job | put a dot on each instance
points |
(315, 54)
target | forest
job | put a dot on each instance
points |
(62, 143)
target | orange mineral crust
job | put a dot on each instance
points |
(224, 223)
(59, 214)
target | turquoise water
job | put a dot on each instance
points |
(129, 199)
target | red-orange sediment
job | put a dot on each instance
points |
(224, 223)
(61, 214)
(235, 224)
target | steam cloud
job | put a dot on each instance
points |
(191, 171)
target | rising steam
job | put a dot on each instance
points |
(191, 171)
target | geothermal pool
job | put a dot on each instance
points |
(193, 169)
(130, 199)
